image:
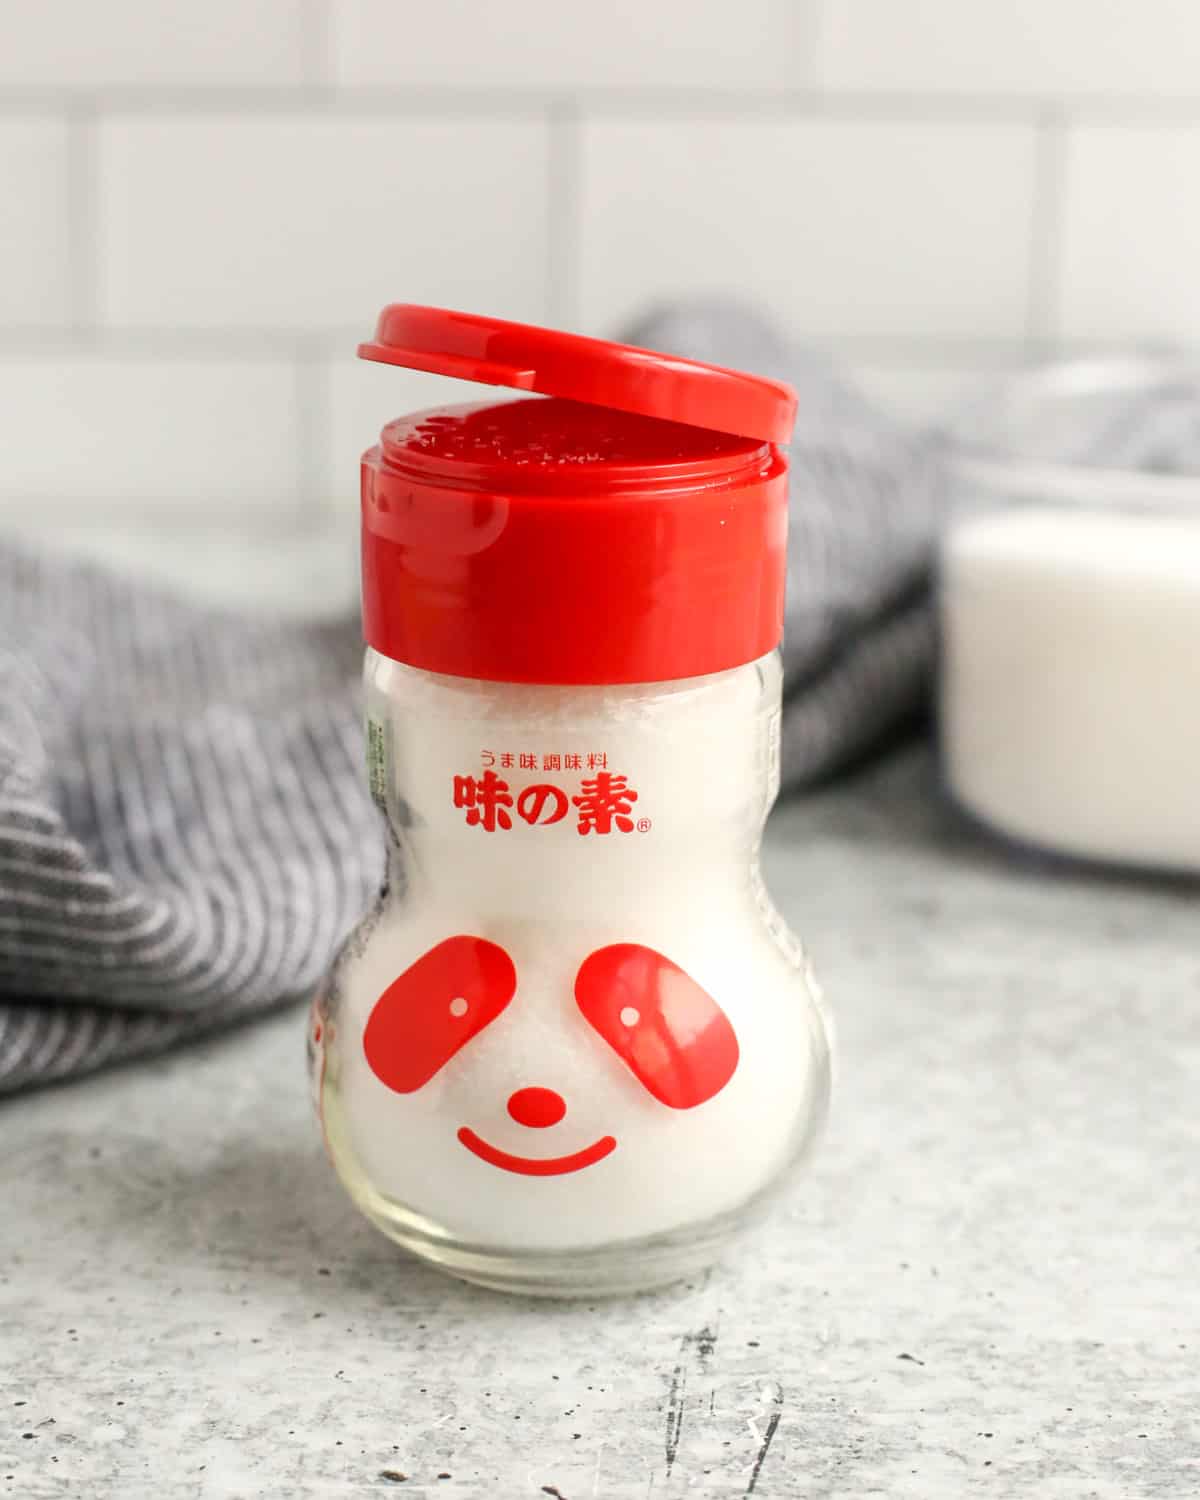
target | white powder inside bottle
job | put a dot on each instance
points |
(682, 880)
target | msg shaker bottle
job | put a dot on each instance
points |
(573, 1046)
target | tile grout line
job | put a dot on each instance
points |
(1046, 229)
(817, 40)
(316, 43)
(82, 189)
(318, 93)
(310, 376)
(562, 214)
(292, 345)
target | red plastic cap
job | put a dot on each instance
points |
(620, 376)
(630, 527)
(550, 541)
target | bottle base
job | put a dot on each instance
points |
(617, 1269)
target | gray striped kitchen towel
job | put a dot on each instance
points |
(184, 829)
(183, 832)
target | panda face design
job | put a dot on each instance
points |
(666, 1029)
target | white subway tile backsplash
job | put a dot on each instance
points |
(98, 44)
(148, 436)
(362, 397)
(1023, 47)
(205, 206)
(917, 393)
(301, 224)
(1131, 234)
(841, 228)
(546, 44)
(34, 242)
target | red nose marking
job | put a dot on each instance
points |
(537, 1108)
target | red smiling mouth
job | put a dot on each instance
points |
(537, 1166)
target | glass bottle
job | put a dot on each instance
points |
(573, 1047)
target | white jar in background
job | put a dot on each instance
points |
(1069, 611)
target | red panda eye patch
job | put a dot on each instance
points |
(436, 1007)
(669, 1032)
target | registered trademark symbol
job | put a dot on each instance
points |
(643, 825)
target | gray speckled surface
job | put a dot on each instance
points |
(987, 1282)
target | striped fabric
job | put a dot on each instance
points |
(184, 828)
(183, 831)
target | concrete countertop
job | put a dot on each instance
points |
(986, 1282)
